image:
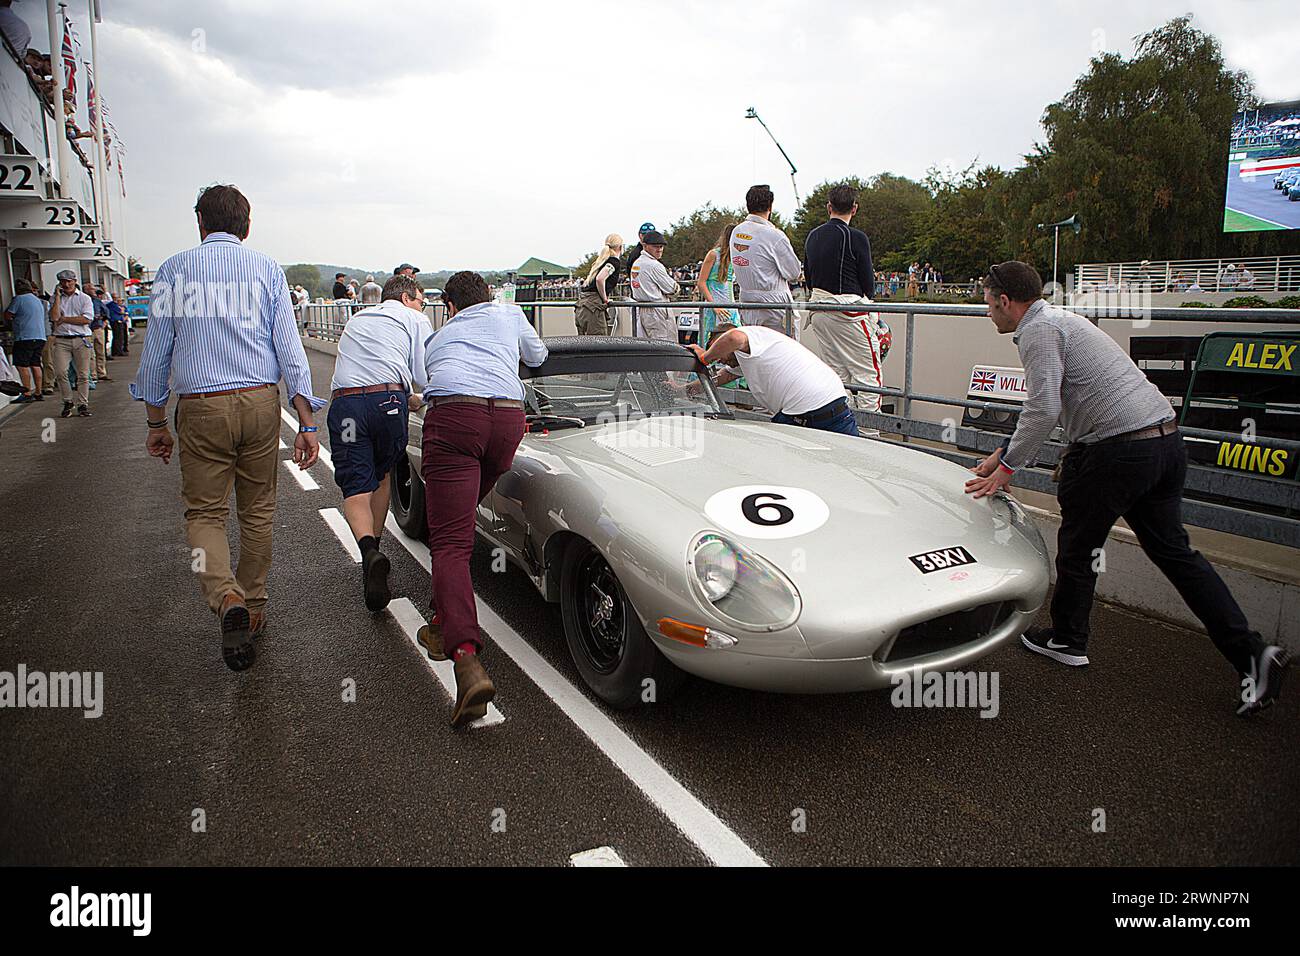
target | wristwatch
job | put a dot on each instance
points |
(308, 428)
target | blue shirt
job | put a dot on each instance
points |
(29, 315)
(220, 317)
(115, 311)
(101, 313)
(478, 353)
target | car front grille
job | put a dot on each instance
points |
(951, 630)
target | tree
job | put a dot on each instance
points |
(888, 207)
(307, 276)
(690, 238)
(1138, 149)
(965, 227)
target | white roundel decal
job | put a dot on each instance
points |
(767, 511)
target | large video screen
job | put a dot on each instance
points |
(1264, 170)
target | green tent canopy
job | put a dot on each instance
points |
(534, 267)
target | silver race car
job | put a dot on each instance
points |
(678, 538)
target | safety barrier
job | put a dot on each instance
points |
(1280, 499)
(1275, 274)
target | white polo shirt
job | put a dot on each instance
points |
(384, 343)
(76, 304)
(784, 375)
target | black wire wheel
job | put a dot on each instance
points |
(607, 642)
(406, 500)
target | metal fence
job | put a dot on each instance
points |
(1280, 498)
(1251, 276)
(325, 320)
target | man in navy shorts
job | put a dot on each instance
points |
(381, 356)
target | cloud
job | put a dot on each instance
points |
(333, 46)
(478, 135)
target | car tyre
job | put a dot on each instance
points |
(606, 639)
(407, 500)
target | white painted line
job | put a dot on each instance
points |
(303, 478)
(412, 620)
(292, 422)
(339, 525)
(283, 446)
(600, 856)
(696, 821)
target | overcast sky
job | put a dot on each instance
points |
(476, 134)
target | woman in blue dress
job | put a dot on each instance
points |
(715, 284)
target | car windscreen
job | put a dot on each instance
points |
(620, 393)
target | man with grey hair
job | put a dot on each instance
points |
(380, 358)
(371, 292)
(71, 313)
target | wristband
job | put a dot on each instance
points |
(1007, 468)
(308, 428)
(161, 424)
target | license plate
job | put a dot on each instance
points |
(941, 560)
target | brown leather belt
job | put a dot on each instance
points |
(227, 391)
(475, 400)
(1153, 431)
(367, 389)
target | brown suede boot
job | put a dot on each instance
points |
(474, 689)
(256, 624)
(430, 638)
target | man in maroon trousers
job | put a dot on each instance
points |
(473, 425)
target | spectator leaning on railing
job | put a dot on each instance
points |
(1125, 459)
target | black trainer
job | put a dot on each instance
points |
(1042, 640)
(374, 577)
(1262, 684)
(83, 411)
(67, 410)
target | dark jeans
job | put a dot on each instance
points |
(842, 421)
(1141, 482)
(120, 345)
(466, 449)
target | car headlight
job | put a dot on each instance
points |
(741, 586)
(1021, 520)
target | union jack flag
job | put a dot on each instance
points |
(983, 382)
(69, 60)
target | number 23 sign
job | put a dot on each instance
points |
(767, 511)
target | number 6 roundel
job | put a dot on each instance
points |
(767, 511)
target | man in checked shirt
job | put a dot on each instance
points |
(1126, 460)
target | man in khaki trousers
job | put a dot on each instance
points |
(221, 334)
(71, 313)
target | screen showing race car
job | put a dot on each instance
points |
(1264, 169)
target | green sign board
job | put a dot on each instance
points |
(1257, 352)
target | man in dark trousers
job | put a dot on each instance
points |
(380, 367)
(1126, 460)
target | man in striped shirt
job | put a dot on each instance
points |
(221, 335)
(1126, 460)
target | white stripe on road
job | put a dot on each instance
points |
(339, 525)
(412, 620)
(600, 856)
(683, 809)
(283, 446)
(696, 821)
(303, 478)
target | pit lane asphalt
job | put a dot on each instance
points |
(289, 774)
(1257, 197)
